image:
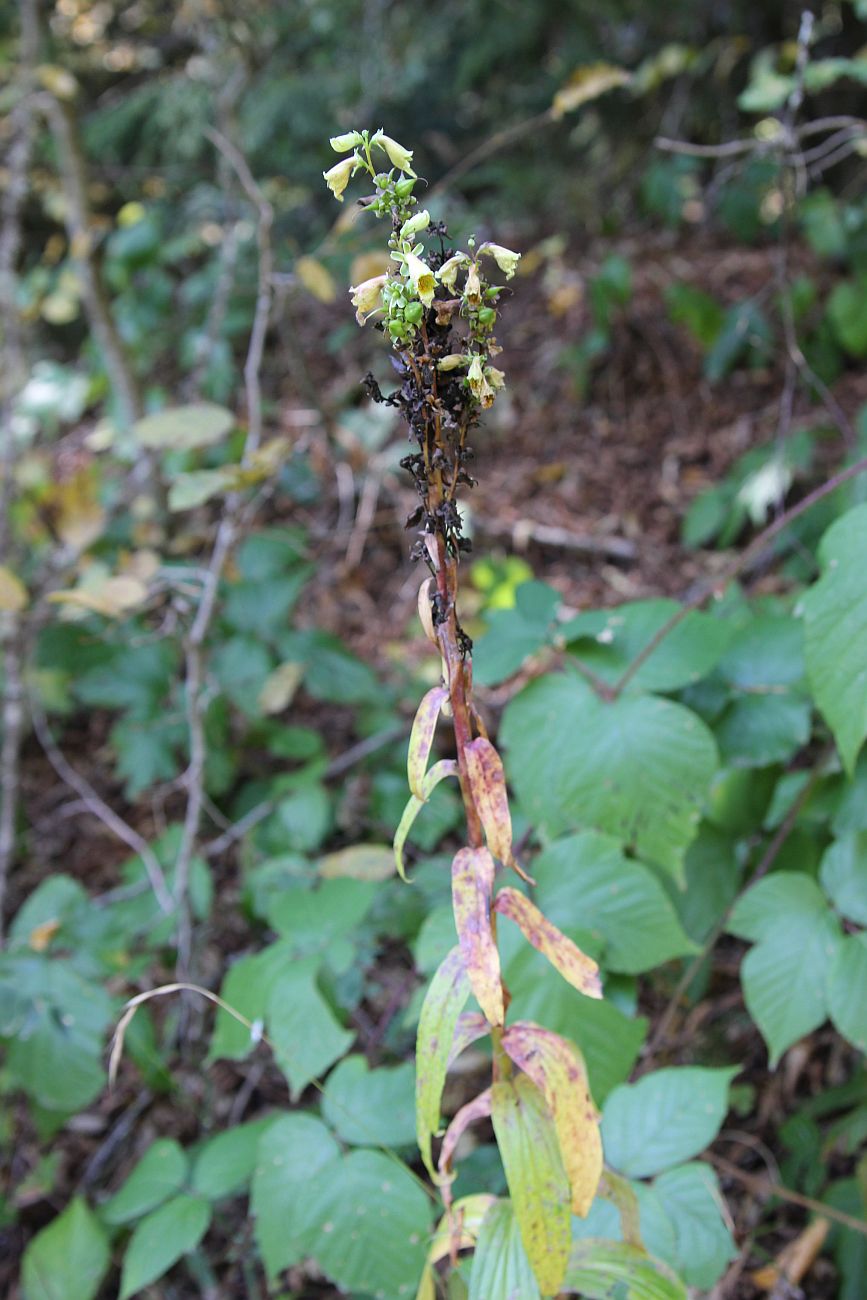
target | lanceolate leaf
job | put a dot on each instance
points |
(446, 767)
(444, 1000)
(500, 1263)
(472, 885)
(478, 1108)
(488, 785)
(537, 1181)
(558, 1071)
(576, 968)
(457, 1230)
(421, 739)
(613, 1270)
(470, 1027)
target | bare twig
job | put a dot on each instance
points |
(524, 531)
(226, 533)
(760, 1187)
(81, 234)
(96, 805)
(13, 732)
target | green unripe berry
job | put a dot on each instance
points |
(414, 313)
(403, 188)
(395, 328)
(487, 316)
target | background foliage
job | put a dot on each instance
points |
(209, 666)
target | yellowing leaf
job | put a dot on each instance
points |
(557, 1069)
(576, 967)
(478, 1108)
(358, 862)
(79, 517)
(586, 83)
(112, 598)
(316, 278)
(488, 785)
(456, 1230)
(279, 687)
(537, 1181)
(445, 767)
(13, 593)
(472, 886)
(421, 738)
(443, 1003)
(41, 935)
(184, 428)
(470, 1027)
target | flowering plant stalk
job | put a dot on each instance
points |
(438, 308)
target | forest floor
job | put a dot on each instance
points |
(592, 491)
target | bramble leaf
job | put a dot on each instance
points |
(576, 968)
(421, 738)
(68, 1258)
(472, 885)
(538, 1184)
(664, 1118)
(443, 1003)
(557, 1069)
(835, 631)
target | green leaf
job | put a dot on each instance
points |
(768, 651)
(758, 730)
(835, 632)
(537, 1181)
(68, 1259)
(310, 920)
(225, 1163)
(371, 1107)
(610, 1041)
(637, 768)
(847, 312)
(444, 1001)
(56, 1052)
(712, 879)
(291, 1153)
(305, 1035)
(157, 1176)
(703, 1243)
(373, 1222)
(188, 491)
(783, 976)
(500, 1263)
(609, 1270)
(586, 884)
(664, 1118)
(508, 642)
(161, 1239)
(847, 989)
(608, 640)
(844, 876)
(247, 988)
(184, 428)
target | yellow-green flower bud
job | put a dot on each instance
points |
(454, 361)
(404, 188)
(398, 156)
(337, 177)
(367, 297)
(421, 278)
(506, 260)
(343, 143)
(448, 272)
(415, 224)
(479, 386)
(496, 378)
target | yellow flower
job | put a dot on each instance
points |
(398, 156)
(343, 143)
(448, 272)
(367, 297)
(452, 362)
(479, 386)
(506, 260)
(421, 278)
(337, 177)
(415, 224)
